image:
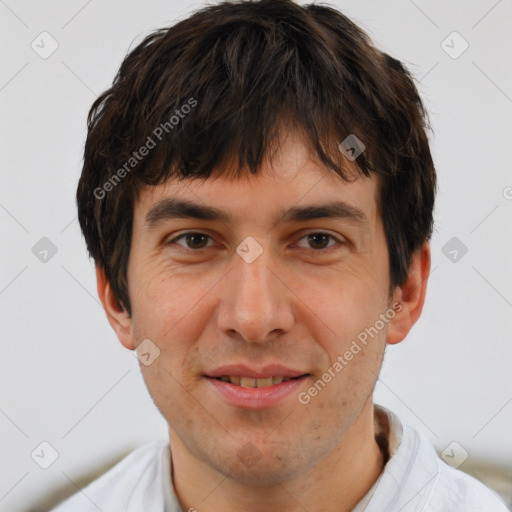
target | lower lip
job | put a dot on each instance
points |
(255, 398)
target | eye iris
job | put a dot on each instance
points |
(316, 237)
(193, 237)
(198, 240)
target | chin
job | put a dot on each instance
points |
(252, 466)
(261, 474)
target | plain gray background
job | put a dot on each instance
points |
(65, 378)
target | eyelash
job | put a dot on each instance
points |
(183, 235)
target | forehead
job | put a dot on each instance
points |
(291, 181)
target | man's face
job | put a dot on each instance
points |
(213, 300)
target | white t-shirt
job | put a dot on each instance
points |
(414, 479)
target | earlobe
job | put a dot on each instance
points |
(117, 316)
(410, 296)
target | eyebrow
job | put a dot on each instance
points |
(173, 208)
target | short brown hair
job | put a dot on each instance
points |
(245, 70)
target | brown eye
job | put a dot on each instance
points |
(319, 241)
(192, 240)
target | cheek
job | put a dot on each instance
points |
(346, 383)
(164, 296)
(344, 301)
(172, 392)
(347, 333)
(170, 308)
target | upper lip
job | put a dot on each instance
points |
(242, 370)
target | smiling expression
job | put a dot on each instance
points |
(240, 339)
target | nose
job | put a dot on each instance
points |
(256, 305)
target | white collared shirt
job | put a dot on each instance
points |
(414, 479)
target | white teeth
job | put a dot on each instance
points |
(247, 382)
(250, 382)
(262, 383)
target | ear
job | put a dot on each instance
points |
(410, 297)
(117, 316)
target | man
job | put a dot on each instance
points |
(257, 195)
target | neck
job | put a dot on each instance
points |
(336, 484)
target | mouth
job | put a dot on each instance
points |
(245, 386)
(252, 382)
(259, 390)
